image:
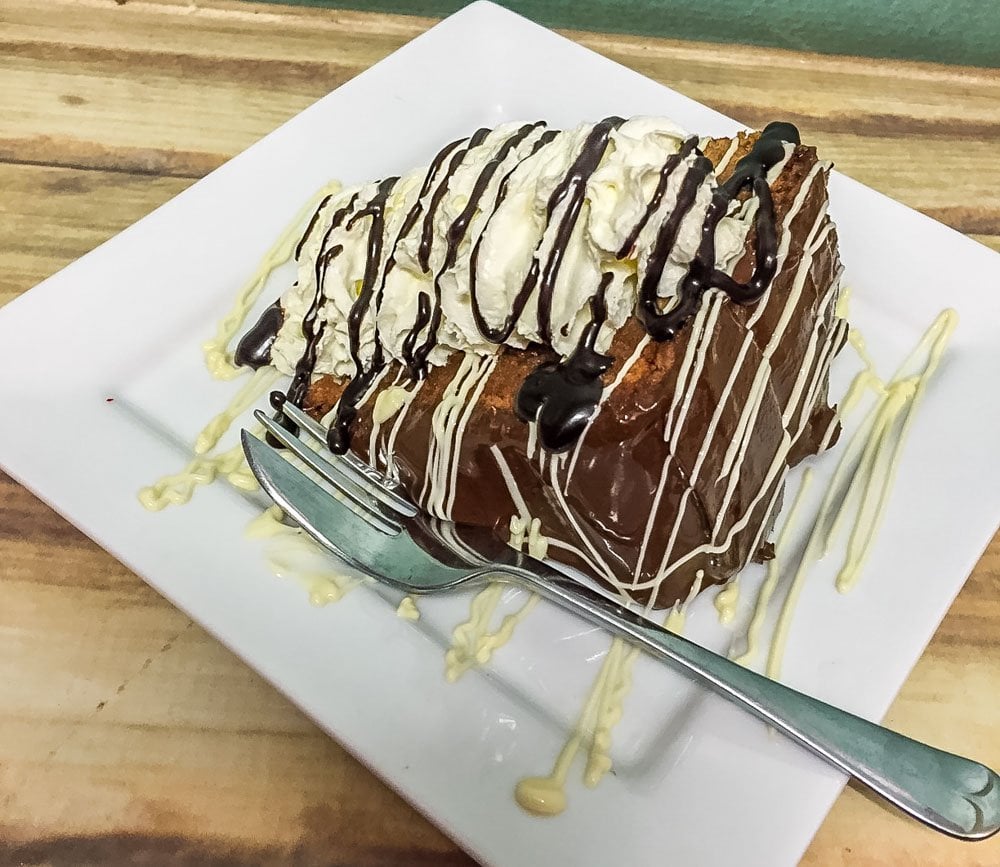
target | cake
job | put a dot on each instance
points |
(608, 343)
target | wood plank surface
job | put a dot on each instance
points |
(129, 735)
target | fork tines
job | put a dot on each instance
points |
(353, 462)
(360, 484)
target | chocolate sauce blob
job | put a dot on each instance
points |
(254, 348)
(562, 397)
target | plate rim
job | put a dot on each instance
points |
(481, 14)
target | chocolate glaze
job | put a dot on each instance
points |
(254, 348)
(628, 477)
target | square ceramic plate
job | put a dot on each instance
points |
(127, 322)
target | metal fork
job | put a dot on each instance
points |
(368, 522)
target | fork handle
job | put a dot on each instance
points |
(950, 793)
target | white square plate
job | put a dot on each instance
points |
(695, 782)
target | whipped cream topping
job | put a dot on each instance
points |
(501, 184)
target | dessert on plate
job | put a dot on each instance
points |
(608, 343)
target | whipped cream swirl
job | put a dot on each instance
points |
(509, 233)
(523, 235)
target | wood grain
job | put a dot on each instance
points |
(127, 733)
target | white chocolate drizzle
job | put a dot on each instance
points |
(602, 710)
(448, 423)
(257, 385)
(727, 600)
(389, 459)
(178, 488)
(407, 609)
(812, 373)
(473, 642)
(774, 571)
(530, 531)
(677, 615)
(290, 553)
(859, 491)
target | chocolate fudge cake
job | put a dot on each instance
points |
(608, 343)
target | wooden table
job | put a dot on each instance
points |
(128, 733)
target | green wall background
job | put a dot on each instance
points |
(948, 31)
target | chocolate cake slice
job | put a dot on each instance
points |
(609, 343)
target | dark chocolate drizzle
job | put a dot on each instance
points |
(414, 214)
(703, 275)
(455, 235)
(338, 438)
(427, 227)
(307, 361)
(674, 160)
(312, 225)
(546, 137)
(423, 317)
(563, 396)
(649, 301)
(460, 225)
(254, 348)
(572, 187)
(423, 303)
